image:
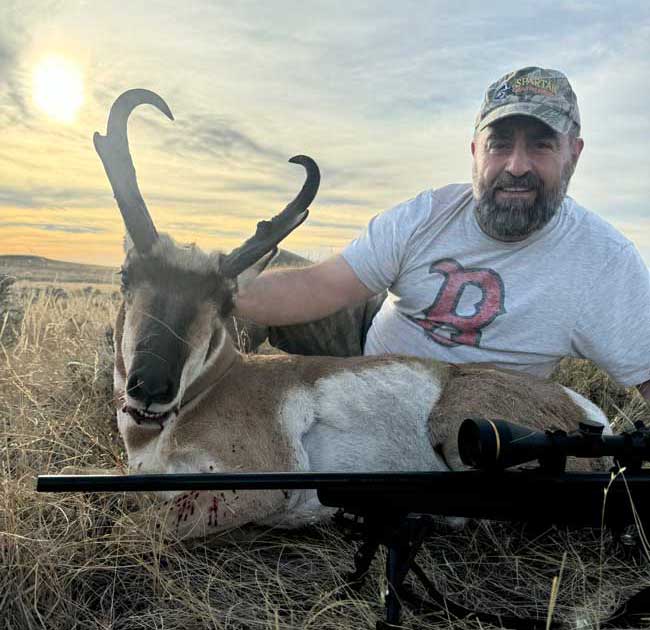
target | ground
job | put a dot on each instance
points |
(62, 568)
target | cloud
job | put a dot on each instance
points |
(334, 225)
(50, 227)
(7, 57)
(16, 17)
(342, 200)
(12, 101)
(200, 228)
(46, 198)
(210, 136)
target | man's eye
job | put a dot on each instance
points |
(497, 145)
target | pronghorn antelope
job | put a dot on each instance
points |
(190, 402)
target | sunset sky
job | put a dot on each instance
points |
(382, 94)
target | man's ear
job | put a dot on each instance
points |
(578, 145)
(248, 275)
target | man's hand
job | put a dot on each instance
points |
(644, 388)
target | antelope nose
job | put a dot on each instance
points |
(148, 388)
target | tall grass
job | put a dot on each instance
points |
(62, 565)
(10, 311)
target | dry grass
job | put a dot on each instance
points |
(62, 567)
(10, 311)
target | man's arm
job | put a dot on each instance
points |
(644, 388)
(293, 296)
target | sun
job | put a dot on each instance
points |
(58, 88)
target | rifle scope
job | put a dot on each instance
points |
(498, 444)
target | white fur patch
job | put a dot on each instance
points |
(374, 420)
(196, 365)
(160, 456)
(296, 417)
(128, 345)
(593, 413)
(366, 421)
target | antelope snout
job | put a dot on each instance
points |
(151, 387)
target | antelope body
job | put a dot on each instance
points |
(189, 401)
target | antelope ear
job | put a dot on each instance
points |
(248, 275)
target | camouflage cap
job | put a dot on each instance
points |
(538, 92)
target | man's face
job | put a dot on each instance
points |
(520, 175)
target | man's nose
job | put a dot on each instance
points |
(519, 162)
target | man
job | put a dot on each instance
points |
(509, 270)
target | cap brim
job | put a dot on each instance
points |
(557, 121)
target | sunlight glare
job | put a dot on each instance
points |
(58, 88)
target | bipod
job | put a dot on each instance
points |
(402, 535)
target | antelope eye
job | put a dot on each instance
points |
(124, 282)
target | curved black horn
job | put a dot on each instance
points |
(113, 149)
(270, 233)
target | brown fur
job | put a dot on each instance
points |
(479, 391)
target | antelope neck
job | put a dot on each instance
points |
(213, 375)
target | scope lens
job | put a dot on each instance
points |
(477, 443)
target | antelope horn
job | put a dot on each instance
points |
(113, 149)
(269, 233)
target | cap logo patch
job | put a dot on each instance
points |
(528, 85)
(503, 91)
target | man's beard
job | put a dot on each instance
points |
(515, 219)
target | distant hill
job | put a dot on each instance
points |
(29, 269)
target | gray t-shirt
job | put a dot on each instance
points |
(577, 287)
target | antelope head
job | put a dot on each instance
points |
(170, 336)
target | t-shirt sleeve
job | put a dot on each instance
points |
(376, 256)
(613, 329)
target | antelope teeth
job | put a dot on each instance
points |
(151, 414)
(144, 416)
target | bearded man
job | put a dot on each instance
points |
(508, 270)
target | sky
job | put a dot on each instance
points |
(383, 95)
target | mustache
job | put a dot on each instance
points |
(506, 180)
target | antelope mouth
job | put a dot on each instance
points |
(141, 416)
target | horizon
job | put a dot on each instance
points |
(72, 262)
(386, 115)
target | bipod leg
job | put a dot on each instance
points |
(397, 566)
(370, 531)
(402, 543)
(363, 558)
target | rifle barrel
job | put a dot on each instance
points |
(562, 498)
(231, 481)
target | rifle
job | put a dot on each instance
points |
(395, 510)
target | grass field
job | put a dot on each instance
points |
(63, 567)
